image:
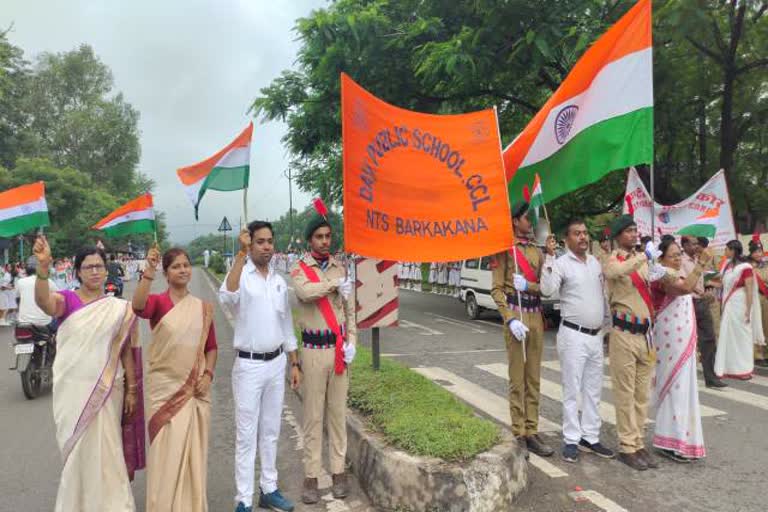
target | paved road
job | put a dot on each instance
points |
(468, 358)
(30, 459)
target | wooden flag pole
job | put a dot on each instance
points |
(245, 206)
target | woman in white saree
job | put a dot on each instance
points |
(96, 387)
(678, 433)
(741, 324)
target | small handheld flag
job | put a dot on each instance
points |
(134, 217)
(227, 170)
(22, 209)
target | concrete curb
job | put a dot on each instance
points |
(393, 479)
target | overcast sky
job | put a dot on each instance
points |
(191, 68)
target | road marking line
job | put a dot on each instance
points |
(705, 410)
(447, 320)
(427, 330)
(479, 351)
(478, 397)
(756, 379)
(491, 404)
(607, 384)
(486, 322)
(598, 500)
(552, 390)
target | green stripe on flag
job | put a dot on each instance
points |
(130, 228)
(705, 230)
(224, 179)
(616, 143)
(22, 224)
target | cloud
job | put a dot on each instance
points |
(192, 69)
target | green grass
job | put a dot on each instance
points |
(414, 414)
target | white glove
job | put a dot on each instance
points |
(345, 287)
(652, 252)
(656, 272)
(520, 283)
(518, 329)
(349, 352)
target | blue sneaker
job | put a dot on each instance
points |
(275, 501)
(570, 453)
(242, 508)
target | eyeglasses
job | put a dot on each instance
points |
(92, 268)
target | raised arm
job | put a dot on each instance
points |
(233, 278)
(51, 303)
(615, 268)
(139, 300)
(307, 291)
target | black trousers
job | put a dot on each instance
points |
(707, 339)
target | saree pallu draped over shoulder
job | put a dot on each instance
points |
(179, 418)
(100, 447)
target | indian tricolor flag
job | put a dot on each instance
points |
(705, 225)
(600, 118)
(227, 170)
(23, 209)
(134, 217)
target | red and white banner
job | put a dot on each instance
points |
(376, 294)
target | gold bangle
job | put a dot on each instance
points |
(145, 276)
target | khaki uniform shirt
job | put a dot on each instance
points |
(503, 265)
(622, 294)
(308, 314)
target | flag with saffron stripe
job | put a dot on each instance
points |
(600, 119)
(227, 170)
(134, 217)
(22, 209)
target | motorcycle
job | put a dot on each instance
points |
(113, 287)
(35, 350)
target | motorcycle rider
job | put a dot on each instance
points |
(29, 312)
(115, 274)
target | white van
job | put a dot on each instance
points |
(475, 291)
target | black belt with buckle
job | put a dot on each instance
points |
(584, 330)
(260, 356)
(527, 301)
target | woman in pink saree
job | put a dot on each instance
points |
(678, 433)
(182, 358)
(96, 387)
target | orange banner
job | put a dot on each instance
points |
(421, 187)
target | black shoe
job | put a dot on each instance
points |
(537, 446)
(649, 461)
(716, 384)
(633, 460)
(596, 448)
(570, 453)
(310, 495)
(673, 456)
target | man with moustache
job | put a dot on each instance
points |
(578, 277)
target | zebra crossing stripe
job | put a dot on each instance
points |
(491, 404)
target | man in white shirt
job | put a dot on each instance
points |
(263, 334)
(578, 277)
(29, 313)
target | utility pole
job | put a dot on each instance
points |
(290, 203)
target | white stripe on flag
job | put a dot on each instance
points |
(632, 75)
(23, 209)
(236, 157)
(130, 217)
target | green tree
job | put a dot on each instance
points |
(78, 121)
(447, 57)
(14, 75)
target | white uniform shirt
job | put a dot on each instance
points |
(264, 320)
(581, 286)
(29, 313)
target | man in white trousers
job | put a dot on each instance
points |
(263, 335)
(578, 276)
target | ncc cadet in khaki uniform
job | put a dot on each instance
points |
(525, 329)
(628, 274)
(328, 335)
